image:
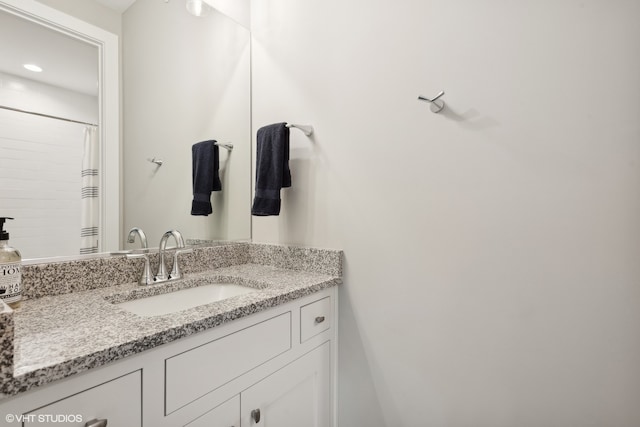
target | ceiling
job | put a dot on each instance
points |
(117, 5)
(66, 61)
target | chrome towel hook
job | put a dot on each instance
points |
(436, 105)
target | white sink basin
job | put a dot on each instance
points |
(183, 299)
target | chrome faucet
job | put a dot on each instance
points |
(147, 277)
(175, 273)
(131, 238)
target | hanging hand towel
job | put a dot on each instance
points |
(272, 168)
(205, 176)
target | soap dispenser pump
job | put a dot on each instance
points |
(10, 266)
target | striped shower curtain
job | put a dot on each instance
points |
(90, 204)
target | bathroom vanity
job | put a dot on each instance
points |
(265, 357)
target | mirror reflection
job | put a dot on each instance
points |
(184, 80)
(49, 139)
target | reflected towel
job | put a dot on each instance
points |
(206, 163)
(272, 168)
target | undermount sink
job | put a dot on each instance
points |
(183, 299)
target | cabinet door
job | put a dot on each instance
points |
(118, 401)
(297, 395)
(225, 415)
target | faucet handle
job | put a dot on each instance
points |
(175, 271)
(147, 277)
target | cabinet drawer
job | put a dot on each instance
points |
(315, 318)
(225, 415)
(119, 401)
(196, 372)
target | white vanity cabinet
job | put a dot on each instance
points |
(297, 395)
(198, 371)
(119, 401)
(225, 415)
(275, 368)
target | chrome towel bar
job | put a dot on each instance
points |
(226, 145)
(307, 129)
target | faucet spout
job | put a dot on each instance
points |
(131, 238)
(162, 268)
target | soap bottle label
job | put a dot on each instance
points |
(10, 278)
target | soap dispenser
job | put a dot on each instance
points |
(10, 275)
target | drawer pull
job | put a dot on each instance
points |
(96, 423)
(255, 415)
(319, 319)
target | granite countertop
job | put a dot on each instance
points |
(61, 335)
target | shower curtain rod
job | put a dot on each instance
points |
(46, 115)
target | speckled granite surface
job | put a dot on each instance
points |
(39, 280)
(6, 341)
(53, 344)
(297, 258)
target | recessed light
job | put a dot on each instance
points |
(33, 67)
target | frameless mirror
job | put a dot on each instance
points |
(185, 79)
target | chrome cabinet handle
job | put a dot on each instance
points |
(319, 319)
(255, 415)
(96, 423)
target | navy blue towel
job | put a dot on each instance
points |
(272, 168)
(205, 176)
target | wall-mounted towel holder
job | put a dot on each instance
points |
(307, 129)
(436, 104)
(226, 145)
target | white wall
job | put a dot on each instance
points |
(492, 250)
(89, 11)
(186, 80)
(238, 10)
